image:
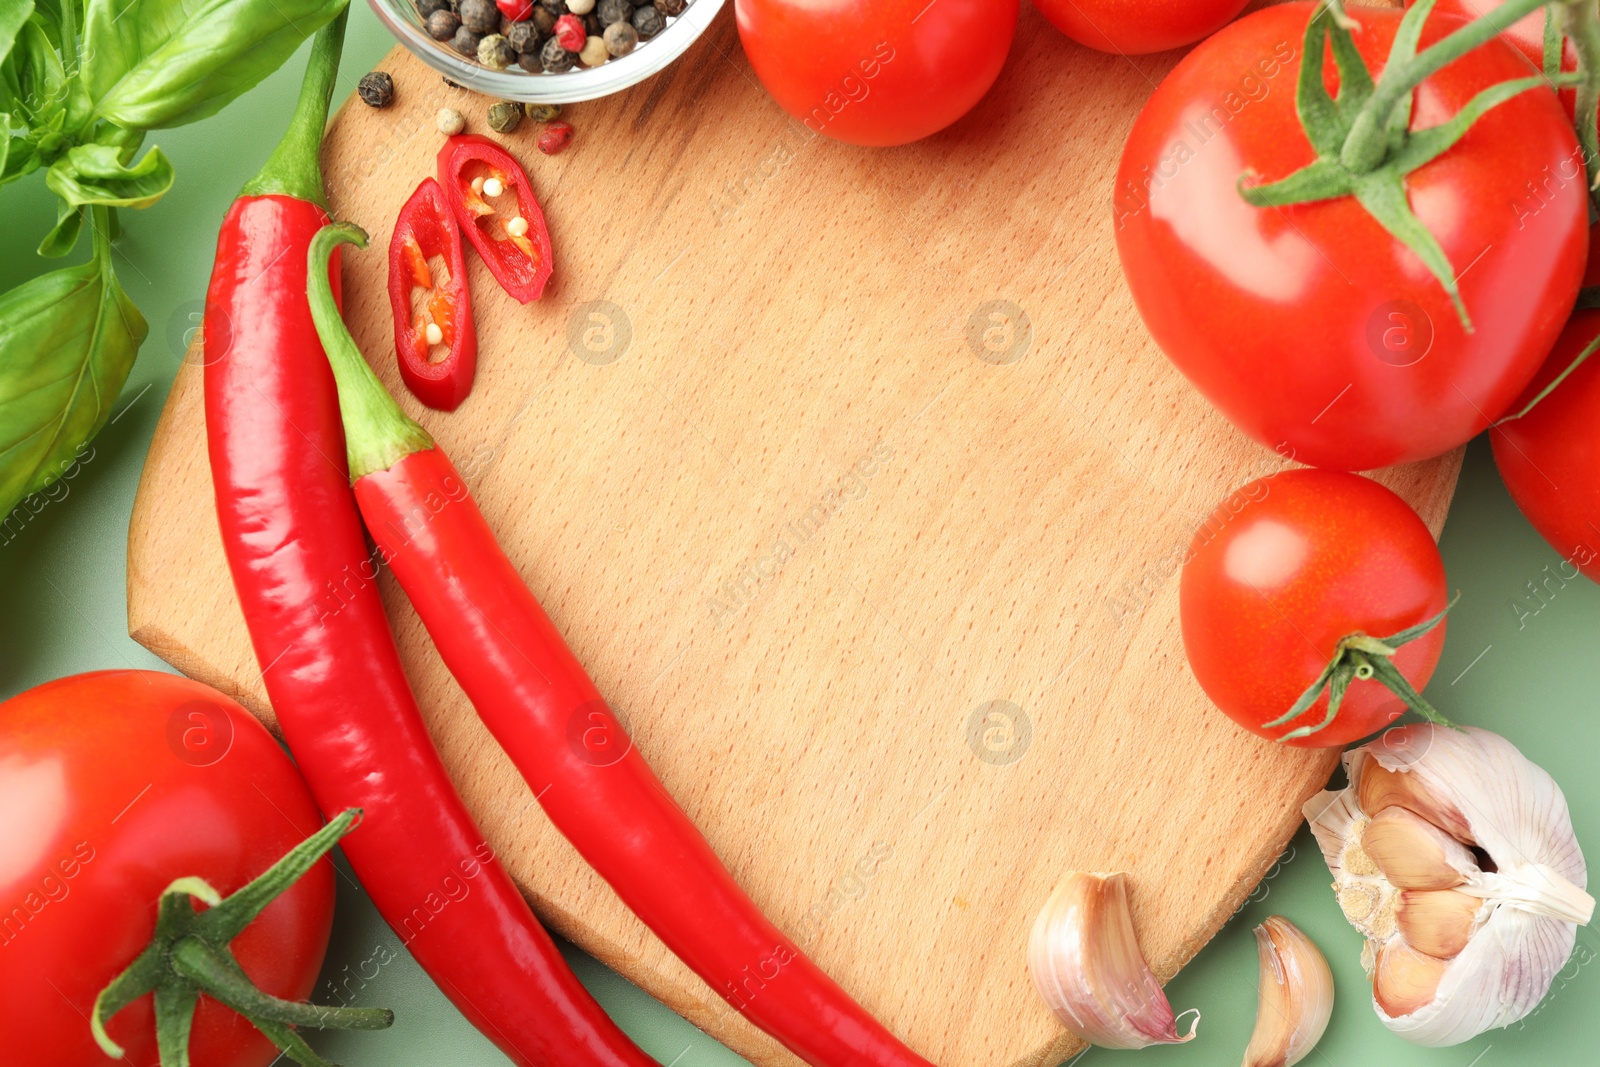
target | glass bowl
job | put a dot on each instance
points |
(580, 83)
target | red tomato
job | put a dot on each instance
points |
(1311, 328)
(877, 72)
(1550, 457)
(1527, 36)
(1289, 566)
(1137, 27)
(114, 785)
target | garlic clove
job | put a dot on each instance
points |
(1085, 960)
(1437, 922)
(1406, 980)
(1382, 788)
(1296, 997)
(1413, 853)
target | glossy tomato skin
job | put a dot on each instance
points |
(114, 785)
(1525, 35)
(1280, 574)
(1309, 327)
(877, 72)
(1550, 457)
(1138, 27)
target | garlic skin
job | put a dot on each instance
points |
(1453, 948)
(1296, 998)
(1086, 964)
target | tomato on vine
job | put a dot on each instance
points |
(1138, 27)
(1313, 608)
(1345, 257)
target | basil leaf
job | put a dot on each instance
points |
(12, 19)
(64, 234)
(95, 174)
(67, 342)
(155, 63)
(37, 83)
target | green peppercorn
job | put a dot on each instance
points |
(426, 8)
(556, 59)
(612, 11)
(671, 8)
(504, 116)
(480, 16)
(543, 112)
(496, 53)
(620, 38)
(523, 37)
(443, 24)
(466, 42)
(648, 21)
(376, 89)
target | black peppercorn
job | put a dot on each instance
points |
(592, 25)
(613, 11)
(480, 16)
(620, 38)
(523, 36)
(648, 21)
(543, 21)
(443, 24)
(453, 85)
(557, 8)
(376, 89)
(530, 62)
(556, 59)
(671, 8)
(426, 8)
(466, 42)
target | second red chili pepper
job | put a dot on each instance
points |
(426, 229)
(542, 707)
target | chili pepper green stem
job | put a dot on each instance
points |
(295, 166)
(377, 433)
(1368, 144)
(1583, 26)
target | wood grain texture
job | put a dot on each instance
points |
(804, 536)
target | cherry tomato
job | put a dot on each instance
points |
(1137, 27)
(1288, 567)
(877, 72)
(1550, 457)
(1526, 35)
(1310, 327)
(114, 785)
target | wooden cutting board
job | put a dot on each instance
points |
(859, 486)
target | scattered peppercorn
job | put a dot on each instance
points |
(376, 89)
(611, 11)
(621, 38)
(569, 31)
(449, 121)
(594, 52)
(443, 24)
(426, 8)
(671, 8)
(479, 16)
(466, 42)
(580, 7)
(453, 85)
(555, 137)
(542, 112)
(556, 59)
(648, 21)
(523, 36)
(504, 117)
(496, 53)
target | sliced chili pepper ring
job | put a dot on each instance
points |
(426, 228)
(517, 254)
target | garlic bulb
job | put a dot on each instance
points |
(1296, 996)
(1455, 856)
(1087, 966)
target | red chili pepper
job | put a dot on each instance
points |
(306, 584)
(427, 228)
(541, 706)
(521, 263)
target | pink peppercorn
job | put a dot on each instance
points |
(555, 137)
(515, 10)
(570, 32)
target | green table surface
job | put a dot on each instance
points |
(1533, 675)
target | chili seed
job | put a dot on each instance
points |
(443, 24)
(556, 59)
(466, 42)
(449, 121)
(426, 8)
(569, 31)
(542, 112)
(555, 137)
(376, 89)
(621, 38)
(612, 11)
(523, 36)
(594, 52)
(580, 7)
(671, 8)
(480, 16)
(504, 116)
(648, 21)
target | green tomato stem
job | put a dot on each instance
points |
(295, 166)
(221, 978)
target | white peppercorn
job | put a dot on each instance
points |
(594, 52)
(449, 121)
(580, 7)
